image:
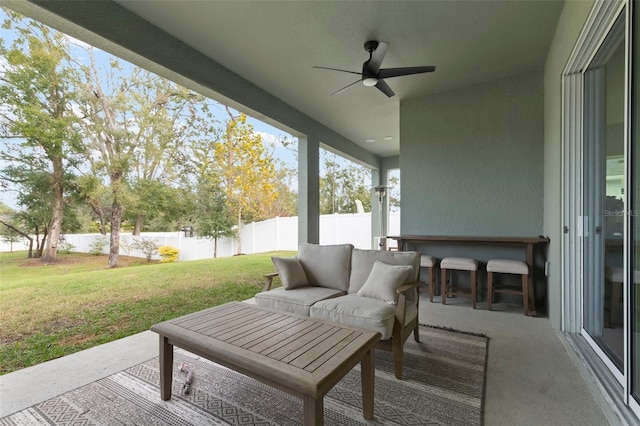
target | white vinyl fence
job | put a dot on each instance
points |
(280, 233)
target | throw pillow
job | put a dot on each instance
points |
(326, 265)
(384, 280)
(290, 272)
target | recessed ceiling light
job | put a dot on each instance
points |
(388, 138)
(370, 140)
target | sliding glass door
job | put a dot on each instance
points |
(634, 294)
(604, 196)
(601, 196)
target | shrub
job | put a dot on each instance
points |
(65, 247)
(97, 245)
(148, 247)
(168, 254)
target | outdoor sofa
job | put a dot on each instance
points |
(371, 289)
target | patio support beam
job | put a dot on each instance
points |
(308, 189)
(387, 164)
(379, 178)
(375, 216)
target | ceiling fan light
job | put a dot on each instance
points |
(370, 81)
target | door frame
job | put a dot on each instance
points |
(599, 24)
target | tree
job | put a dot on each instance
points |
(169, 117)
(213, 218)
(247, 173)
(115, 142)
(34, 196)
(212, 213)
(342, 184)
(37, 97)
(11, 232)
(134, 123)
(91, 190)
(157, 206)
(393, 192)
(286, 203)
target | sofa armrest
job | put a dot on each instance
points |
(404, 288)
(402, 300)
(268, 280)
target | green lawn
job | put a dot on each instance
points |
(48, 311)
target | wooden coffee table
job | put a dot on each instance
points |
(296, 354)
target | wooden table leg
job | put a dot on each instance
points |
(313, 411)
(532, 297)
(368, 375)
(166, 368)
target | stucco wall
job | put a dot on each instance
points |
(572, 19)
(471, 163)
(472, 160)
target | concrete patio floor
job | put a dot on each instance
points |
(533, 377)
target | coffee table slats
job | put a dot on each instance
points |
(205, 316)
(245, 327)
(282, 336)
(229, 322)
(305, 345)
(311, 360)
(260, 338)
(260, 334)
(295, 342)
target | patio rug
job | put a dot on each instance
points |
(443, 384)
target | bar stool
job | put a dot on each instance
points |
(614, 277)
(506, 266)
(431, 263)
(459, 264)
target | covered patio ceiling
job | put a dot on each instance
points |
(274, 44)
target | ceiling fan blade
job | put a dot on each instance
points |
(398, 72)
(336, 69)
(345, 87)
(377, 56)
(384, 88)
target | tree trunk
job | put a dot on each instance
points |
(117, 211)
(40, 246)
(138, 226)
(51, 248)
(215, 247)
(115, 220)
(98, 211)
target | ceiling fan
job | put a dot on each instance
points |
(373, 75)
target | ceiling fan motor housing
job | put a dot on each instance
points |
(369, 77)
(371, 45)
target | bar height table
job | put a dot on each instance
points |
(527, 243)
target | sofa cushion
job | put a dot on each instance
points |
(290, 272)
(327, 265)
(384, 280)
(297, 301)
(362, 262)
(362, 312)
